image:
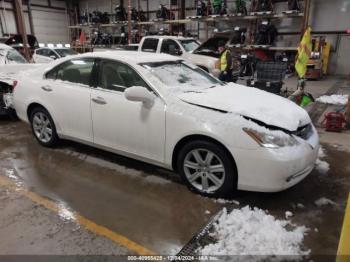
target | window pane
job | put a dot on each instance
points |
(65, 52)
(181, 75)
(150, 45)
(169, 47)
(14, 56)
(117, 76)
(51, 53)
(189, 45)
(76, 71)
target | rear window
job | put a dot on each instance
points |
(150, 45)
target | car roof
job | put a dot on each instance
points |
(169, 37)
(3, 46)
(131, 57)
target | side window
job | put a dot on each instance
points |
(74, 71)
(118, 76)
(169, 47)
(39, 52)
(51, 53)
(45, 52)
(150, 45)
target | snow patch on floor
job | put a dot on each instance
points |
(324, 202)
(288, 214)
(300, 205)
(334, 99)
(321, 152)
(248, 231)
(225, 201)
(321, 165)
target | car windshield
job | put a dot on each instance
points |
(181, 74)
(189, 44)
(14, 56)
(65, 52)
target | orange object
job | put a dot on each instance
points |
(82, 38)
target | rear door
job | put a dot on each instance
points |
(66, 90)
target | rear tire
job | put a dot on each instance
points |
(43, 127)
(207, 168)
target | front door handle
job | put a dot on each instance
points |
(46, 88)
(99, 100)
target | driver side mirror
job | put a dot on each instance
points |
(53, 57)
(139, 94)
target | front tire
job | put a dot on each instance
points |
(43, 127)
(207, 168)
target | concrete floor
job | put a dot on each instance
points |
(143, 203)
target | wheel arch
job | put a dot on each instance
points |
(32, 106)
(180, 144)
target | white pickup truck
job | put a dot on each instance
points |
(179, 46)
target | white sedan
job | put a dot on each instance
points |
(165, 111)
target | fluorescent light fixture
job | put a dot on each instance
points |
(41, 45)
(50, 45)
(59, 45)
(67, 45)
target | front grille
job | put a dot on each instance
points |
(304, 132)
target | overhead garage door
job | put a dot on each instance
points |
(343, 61)
(50, 25)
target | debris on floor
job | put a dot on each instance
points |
(333, 99)
(252, 231)
(324, 202)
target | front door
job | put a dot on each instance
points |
(125, 125)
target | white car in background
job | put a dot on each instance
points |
(165, 111)
(179, 46)
(48, 54)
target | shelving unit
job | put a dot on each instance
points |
(211, 19)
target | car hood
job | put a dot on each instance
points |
(202, 60)
(252, 103)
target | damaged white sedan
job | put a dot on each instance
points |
(165, 111)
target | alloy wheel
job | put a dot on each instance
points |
(204, 170)
(42, 127)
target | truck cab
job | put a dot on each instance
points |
(179, 46)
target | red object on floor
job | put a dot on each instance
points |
(334, 121)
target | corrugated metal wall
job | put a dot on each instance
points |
(50, 21)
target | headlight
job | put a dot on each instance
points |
(271, 140)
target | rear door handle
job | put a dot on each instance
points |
(46, 88)
(99, 100)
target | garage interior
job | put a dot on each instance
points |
(76, 202)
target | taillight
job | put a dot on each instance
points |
(14, 84)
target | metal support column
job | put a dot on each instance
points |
(129, 22)
(30, 15)
(305, 23)
(21, 28)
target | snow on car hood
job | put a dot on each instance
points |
(252, 103)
